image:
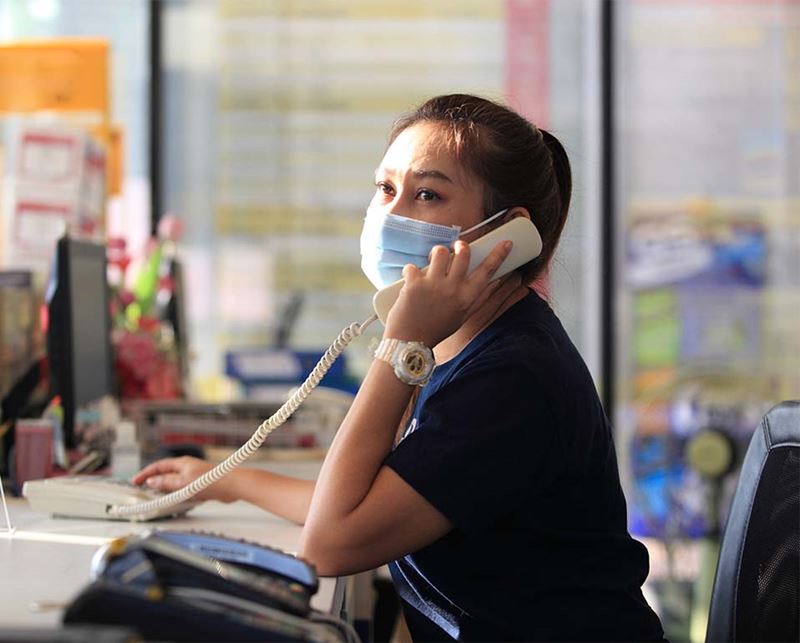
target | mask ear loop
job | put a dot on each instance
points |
(484, 222)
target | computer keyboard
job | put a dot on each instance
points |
(92, 497)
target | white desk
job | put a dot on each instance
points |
(46, 561)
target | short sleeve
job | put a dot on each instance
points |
(482, 444)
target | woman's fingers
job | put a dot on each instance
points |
(460, 260)
(445, 290)
(166, 465)
(443, 263)
(440, 262)
(165, 482)
(456, 265)
(488, 267)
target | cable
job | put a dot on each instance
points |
(261, 433)
(9, 528)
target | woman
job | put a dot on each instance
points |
(493, 490)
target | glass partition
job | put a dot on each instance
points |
(708, 267)
(276, 115)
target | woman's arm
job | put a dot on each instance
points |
(363, 514)
(281, 495)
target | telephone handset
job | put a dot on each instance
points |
(527, 246)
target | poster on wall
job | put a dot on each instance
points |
(54, 183)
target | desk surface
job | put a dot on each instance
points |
(46, 561)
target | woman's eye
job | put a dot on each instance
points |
(385, 188)
(427, 195)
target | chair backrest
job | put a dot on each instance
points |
(756, 595)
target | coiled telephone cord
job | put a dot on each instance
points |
(244, 452)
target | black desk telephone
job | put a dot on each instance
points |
(195, 586)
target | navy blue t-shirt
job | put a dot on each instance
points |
(510, 442)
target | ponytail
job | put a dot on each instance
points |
(561, 168)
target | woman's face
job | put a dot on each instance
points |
(420, 178)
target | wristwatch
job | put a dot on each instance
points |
(412, 361)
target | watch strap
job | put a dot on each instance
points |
(386, 349)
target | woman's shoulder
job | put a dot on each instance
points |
(529, 341)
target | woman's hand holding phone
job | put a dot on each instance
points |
(436, 301)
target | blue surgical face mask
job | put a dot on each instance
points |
(389, 242)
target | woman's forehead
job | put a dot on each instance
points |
(421, 148)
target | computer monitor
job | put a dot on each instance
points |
(79, 329)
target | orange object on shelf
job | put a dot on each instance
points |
(66, 74)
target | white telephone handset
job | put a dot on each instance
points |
(527, 246)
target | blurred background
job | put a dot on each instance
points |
(237, 141)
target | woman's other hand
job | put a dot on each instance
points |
(172, 474)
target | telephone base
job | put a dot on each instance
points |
(172, 619)
(92, 497)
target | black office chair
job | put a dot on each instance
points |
(756, 595)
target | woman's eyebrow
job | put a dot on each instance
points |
(417, 174)
(431, 174)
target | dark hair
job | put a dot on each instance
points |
(520, 164)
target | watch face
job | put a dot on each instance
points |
(415, 363)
